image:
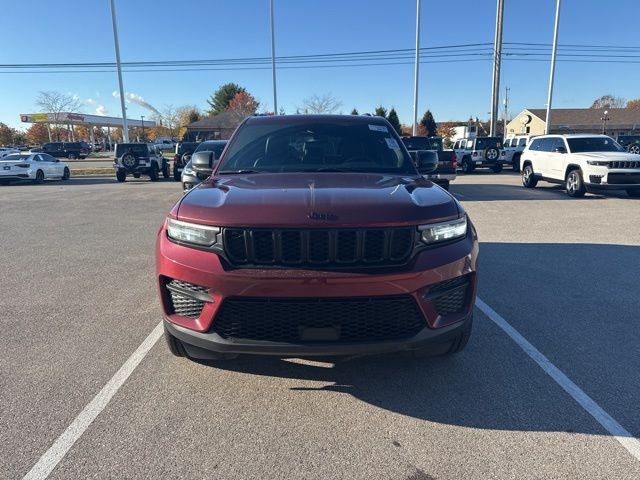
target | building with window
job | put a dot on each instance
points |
(617, 121)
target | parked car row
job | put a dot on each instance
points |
(70, 150)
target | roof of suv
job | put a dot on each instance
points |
(573, 135)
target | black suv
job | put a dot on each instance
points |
(137, 159)
(183, 153)
(70, 150)
(630, 142)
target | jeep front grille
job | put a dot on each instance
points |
(625, 164)
(309, 248)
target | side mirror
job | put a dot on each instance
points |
(560, 150)
(202, 162)
(426, 161)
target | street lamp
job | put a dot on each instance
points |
(605, 118)
(143, 137)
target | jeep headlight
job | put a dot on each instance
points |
(598, 163)
(441, 232)
(202, 235)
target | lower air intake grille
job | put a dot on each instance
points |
(450, 296)
(184, 298)
(326, 320)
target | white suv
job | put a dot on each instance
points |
(583, 163)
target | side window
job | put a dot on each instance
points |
(38, 158)
(469, 144)
(545, 144)
(456, 145)
(522, 142)
(535, 145)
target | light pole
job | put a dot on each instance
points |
(497, 60)
(553, 68)
(273, 60)
(143, 137)
(605, 118)
(417, 67)
(125, 129)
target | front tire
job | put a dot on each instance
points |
(175, 346)
(165, 170)
(121, 175)
(153, 172)
(444, 184)
(136, 175)
(574, 184)
(39, 180)
(66, 174)
(467, 166)
(515, 163)
(497, 169)
(529, 179)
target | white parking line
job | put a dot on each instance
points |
(64, 442)
(618, 432)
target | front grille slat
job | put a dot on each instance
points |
(338, 320)
(318, 247)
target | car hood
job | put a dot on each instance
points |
(317, 200)
(607, 156)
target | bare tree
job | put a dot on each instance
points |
(609, 101)
(325, 103)
(55, 103)
(169, 118)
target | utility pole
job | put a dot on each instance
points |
(553, 68)
(143, 137)
(506, 111)
(497, 59)
(273, 61)
(125, 129)
(417, 67)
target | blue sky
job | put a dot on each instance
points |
(69, 31)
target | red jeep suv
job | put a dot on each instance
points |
(316, 235)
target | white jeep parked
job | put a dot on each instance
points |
(514, 145)
(583, 163)
(479, 152)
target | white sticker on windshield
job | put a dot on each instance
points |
(391, 143)
(378, 128)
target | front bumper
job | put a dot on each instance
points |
(598, 178)
(206, 269)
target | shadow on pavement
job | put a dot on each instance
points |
(584, 327)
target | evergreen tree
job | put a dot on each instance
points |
(354, 112)
(394, 120)
(219, 101)
(381, 112)
(429, 123)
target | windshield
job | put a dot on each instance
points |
(423, 143)
(593, 144)
(316, 147)
(216, 147)
(488, 142)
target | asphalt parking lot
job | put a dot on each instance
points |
(78, 298)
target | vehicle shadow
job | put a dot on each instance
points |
(493, 384)
(501, 192)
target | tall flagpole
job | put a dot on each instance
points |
(417, 67)
(273, 62)
(125, 129)
(553, 68)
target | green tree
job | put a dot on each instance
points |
(219, 101)
(429, 124)
(354, 112)
(394, 120)
(381, 112)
